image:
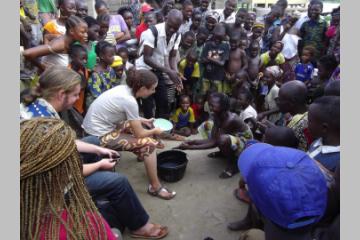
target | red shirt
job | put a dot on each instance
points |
(140, 29)
(93, 218)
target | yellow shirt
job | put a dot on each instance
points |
(22, 12)
(183, 119)
(195, 73)
(265, 58)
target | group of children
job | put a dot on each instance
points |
(241, 55)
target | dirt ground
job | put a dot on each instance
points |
(204, 203)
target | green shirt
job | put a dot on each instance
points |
(46, 6)
(91, 56)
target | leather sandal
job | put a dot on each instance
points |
(150, 235)
(157, 192)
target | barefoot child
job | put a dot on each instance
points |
(184, 118)
(237, 63)
(254, 64)
(214, 55)
(226, 131)
(238, 26)
(199, 110)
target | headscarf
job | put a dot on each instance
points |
(275, 71)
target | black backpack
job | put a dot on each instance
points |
(155, 32)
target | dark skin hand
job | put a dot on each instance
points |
(173, 74)
(225, 123)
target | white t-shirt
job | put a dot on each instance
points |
(185, 27)
(109, 109)
(249, 112)
(162, 51)
(229, 19)
(270, 103)
(290, 42)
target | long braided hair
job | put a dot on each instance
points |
(52, 188)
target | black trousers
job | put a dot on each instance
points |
(159, 100)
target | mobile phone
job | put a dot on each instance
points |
(115, 159)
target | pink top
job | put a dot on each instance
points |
(63, 234)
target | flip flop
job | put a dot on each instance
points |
(241, 195)
(150, 235)
(161, 188)
(228, 173)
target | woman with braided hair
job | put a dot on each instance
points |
(54, 202)
(59, 88)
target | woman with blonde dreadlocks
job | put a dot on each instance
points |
(54, 202)
(59, 88)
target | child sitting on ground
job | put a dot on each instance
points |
(184, 118)
(199, 110)
(103, 77)
(214, 55)
(243, 100)
(270, 91)
(189, 68)
(305, 68)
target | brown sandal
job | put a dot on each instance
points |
(150, 235)
(157, 192)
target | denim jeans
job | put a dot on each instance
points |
(90, 157)
(115, 189)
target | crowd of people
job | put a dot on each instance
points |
(264, 90)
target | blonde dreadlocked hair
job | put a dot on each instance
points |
(51, 182)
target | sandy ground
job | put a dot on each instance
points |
(204, 203)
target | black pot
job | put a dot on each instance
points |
(171, 165)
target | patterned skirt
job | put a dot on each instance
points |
(122, 139)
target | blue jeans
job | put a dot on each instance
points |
(90, 157)
(115, 189)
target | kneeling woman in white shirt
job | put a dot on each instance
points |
(114, 118)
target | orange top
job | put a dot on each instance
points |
(79, 105)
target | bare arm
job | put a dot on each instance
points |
(85, 147)
(140, 132)
(216, 61)
(244, 60)
(122, 36)
(104, 164)
(172, 60)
